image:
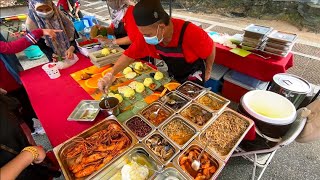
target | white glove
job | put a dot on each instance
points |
(105, 82)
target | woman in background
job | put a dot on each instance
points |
(45, 15)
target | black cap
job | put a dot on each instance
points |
(147, 12)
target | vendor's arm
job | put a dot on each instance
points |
(13, 168)
(28, 40)
(202, 45)
(209, 63)
(123, 41)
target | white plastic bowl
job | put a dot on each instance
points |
(269, 107)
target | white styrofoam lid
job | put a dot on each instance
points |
(292, 83)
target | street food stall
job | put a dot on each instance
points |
(147, 126)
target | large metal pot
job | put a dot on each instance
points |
(294, 88)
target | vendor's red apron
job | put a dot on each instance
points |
(178, 67)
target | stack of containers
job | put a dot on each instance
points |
(236, 85)
(254, 36)
(216, 79)
(279, 43)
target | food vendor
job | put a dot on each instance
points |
(123, 27)
(186, 48)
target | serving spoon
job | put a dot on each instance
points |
(204, 89)
(196, 162)
(155, 114)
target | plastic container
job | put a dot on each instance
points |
(273, 114)
(52, 70)
(92, 20)
(245, 79)
(234, 90)
(33, 52)
(79, 25)
(215, 81)
(89, 49)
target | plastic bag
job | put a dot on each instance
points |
(67, 63)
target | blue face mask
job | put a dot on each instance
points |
(153, 40)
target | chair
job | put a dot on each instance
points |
(262, 158)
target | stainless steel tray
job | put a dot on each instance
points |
(176, 149)
(157, 105)
(182, 120)
(145, 121)
(177, 96)
(283, 37)
(111, 171)
(192, 84)
(225, 102)
(257, 29)
(58, 150)
(195, 144)
(225, 157)
(196, 126)
(86, 110)
(170, 171)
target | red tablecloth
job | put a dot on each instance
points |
(54, 100)
(253, 65)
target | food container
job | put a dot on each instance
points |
(190, 86)
(86, 49)
(61, 149)
(194, 113)
(180, 101)
(170, 172)
(136, 127)
(282, 37)
(212, 132)
(256, 31)
(86, 110)
(109, 106)
(213, 101)
(276, 52)
(152, 144)
(139, 154)
(290, 86)
(214, 160)
(176, 131)
(273, 114)
(160, 119)
(112, 57)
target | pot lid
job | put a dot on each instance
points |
(292, 83)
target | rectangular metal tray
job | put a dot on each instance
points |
(175, 95)
(219, 98)
(115, 167)
(225, 158)
(58, 150)
(283, 37)
(174, 146)
(83, 107)
(214, 158)
(144, 120)
(158, 104)
(172, 171)
(257, 29)
(196, 126)
(193, 84)
(161, 129)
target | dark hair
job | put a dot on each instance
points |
(165, 18)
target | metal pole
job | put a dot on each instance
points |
(170, 8)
